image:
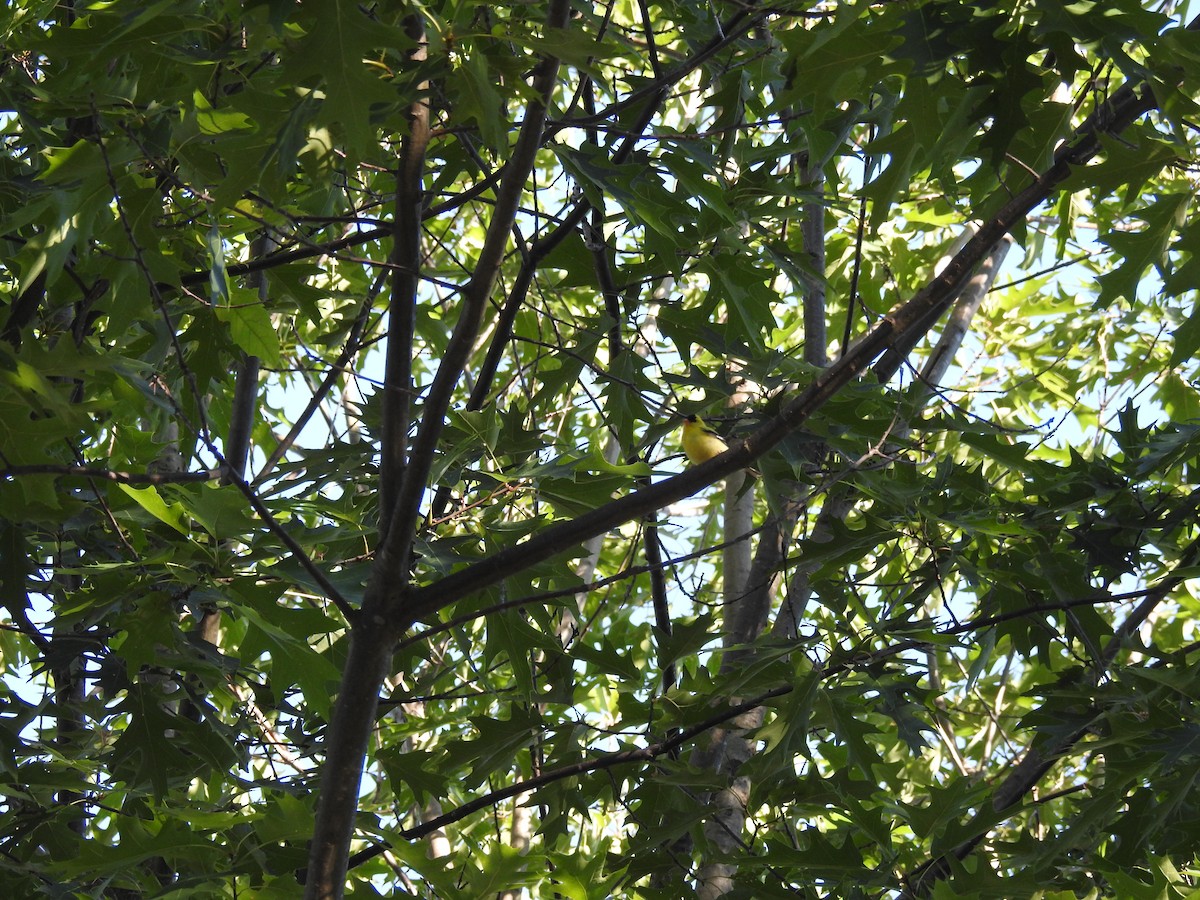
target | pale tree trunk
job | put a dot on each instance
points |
(839, 502)
(750, 587)
(727, 808)
(747, 607)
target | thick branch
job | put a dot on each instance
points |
(473, 303)
(366, 667)
(375, 631)
(406, 259)
(109, 475)
(1128, 103)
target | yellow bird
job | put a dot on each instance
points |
(700, 442)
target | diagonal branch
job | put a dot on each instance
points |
(1131, 100)
(109, 474)
(892, 331)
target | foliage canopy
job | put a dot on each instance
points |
(344, 535)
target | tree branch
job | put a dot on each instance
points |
(374, 634)
(245, 391)
(402, 523)
(109, 475)
(402, 309)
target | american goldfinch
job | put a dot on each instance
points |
(700, 442)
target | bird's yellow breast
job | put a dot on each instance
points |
(700, 442)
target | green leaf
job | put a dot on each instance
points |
(341, 48)
(251, 326)
(153, 746)
(508, 633)
(1128, 163)
(284, 634)
(218, 121)
(149, 631)
(1142, 249)
(149, 499)
(1187, 338)
(481, 101)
